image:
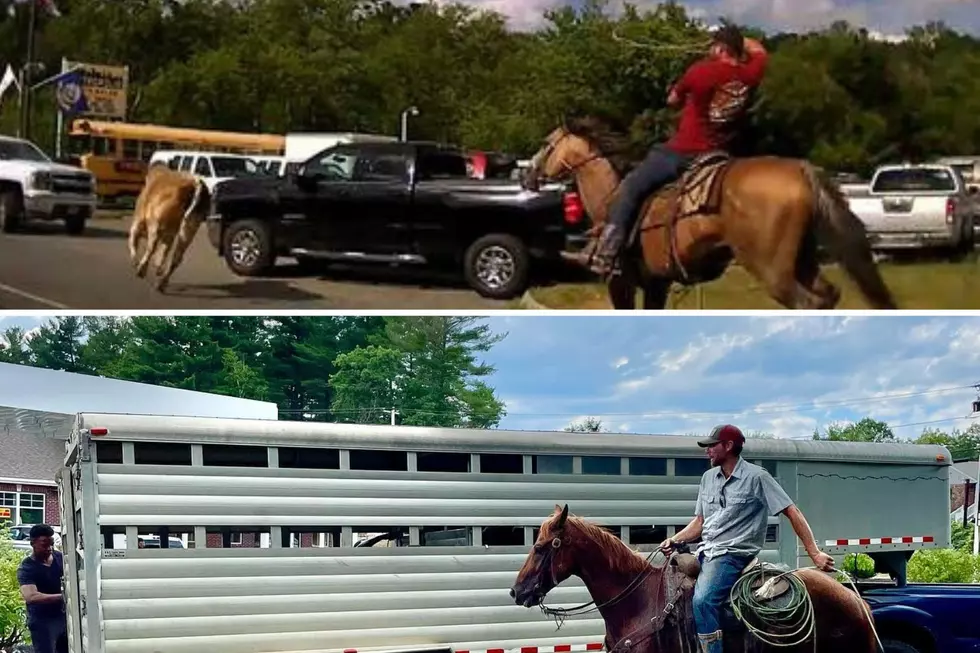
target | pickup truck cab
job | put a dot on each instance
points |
(395, 203)
(917, 206)
(33, 187)
(925, 617)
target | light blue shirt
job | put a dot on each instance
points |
(736, 510)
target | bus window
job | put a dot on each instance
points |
(102, 146)
(131, 149)
(203, 167)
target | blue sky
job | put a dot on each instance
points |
(784, 375)
(884, 16)
(781, 375)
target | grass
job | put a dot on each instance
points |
(916, 285)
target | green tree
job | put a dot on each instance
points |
(867, 430)
(586, 425)
(14, 347)
(366, 384)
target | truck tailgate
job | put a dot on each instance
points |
(902, 213)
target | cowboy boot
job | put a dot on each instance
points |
(607, 250)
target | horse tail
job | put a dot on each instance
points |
(847, 237)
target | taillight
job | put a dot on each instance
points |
(950, 210)
(574, 210)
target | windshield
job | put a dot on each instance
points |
(12, 150)
(228, 166)
(912, 180)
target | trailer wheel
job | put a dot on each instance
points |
(898, 646)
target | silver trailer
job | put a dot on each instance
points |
(277, 522)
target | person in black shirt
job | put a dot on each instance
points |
(39, 577)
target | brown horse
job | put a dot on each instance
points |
(647, 609)
(170, 209)
(766, 213)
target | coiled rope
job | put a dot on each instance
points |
(781, 622)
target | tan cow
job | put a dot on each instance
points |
(169, 211)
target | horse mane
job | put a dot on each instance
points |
(610, 140)
(616, 553)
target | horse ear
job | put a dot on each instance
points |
(562, 518)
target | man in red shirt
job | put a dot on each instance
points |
(714, 95)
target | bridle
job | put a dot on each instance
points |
(625, 643)
(567, 170)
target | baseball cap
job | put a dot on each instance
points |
(723, 433)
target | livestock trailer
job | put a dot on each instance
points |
(335, 537)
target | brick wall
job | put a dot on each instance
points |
(52, 512)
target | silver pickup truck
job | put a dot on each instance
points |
(917, 206)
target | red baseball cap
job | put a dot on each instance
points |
(723, 433)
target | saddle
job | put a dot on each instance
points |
(697, 193)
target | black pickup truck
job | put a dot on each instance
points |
(395, 203)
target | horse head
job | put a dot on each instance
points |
(550, 561)
(564, 151)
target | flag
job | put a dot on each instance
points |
(69, 93)
(9, 79)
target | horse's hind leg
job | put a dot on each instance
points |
(152, 243)
(809, 275)
(188, 229)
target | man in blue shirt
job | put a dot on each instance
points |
(735, 500)
(39, 577)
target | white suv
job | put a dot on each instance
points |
(33, 187)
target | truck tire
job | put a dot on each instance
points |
(11, 210)
(248, 248)
(898, 646)
(75, 224)
(497, 265)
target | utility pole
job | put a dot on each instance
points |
(25, 94)
(966, 501)
(393, 413)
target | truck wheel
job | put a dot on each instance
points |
(11, 211)
(75, 224)
(898, 646)
(248, 248)
(496, 266)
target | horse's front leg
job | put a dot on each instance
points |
(622, 292)
(655, 293)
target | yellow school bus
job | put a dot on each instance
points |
(118, 153)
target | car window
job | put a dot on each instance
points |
(382, 166)
(334, 165)
(202, 167)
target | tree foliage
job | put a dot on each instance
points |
(839, 97)
(587, 425)
(347, 369)
(13, 613)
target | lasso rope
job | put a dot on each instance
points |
(793, 618)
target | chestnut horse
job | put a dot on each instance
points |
(766, 213)
(647, 609)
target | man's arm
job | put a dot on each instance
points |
(678, 92)
(32, 595)
(780, 504)
(690, 532)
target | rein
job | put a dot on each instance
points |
(560, 614)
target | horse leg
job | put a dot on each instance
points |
(809, 275)
(137, 232)
(188, 230)
(152, 243)
(655, 292)
(622, 291)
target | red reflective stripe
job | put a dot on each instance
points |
(350, 650)
(495, 650)
(563, 648)
(886, 540)
(529, 649)
(593, 647)
(864, 540)
(927, 538)
(841, 542)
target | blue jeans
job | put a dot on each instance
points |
(711, 592)
(49, 635)
(660, 167)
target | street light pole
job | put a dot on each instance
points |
(413, 111)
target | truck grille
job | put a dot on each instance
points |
(71, 184)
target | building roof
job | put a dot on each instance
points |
(44, 402)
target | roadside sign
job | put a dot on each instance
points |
(4, 513)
